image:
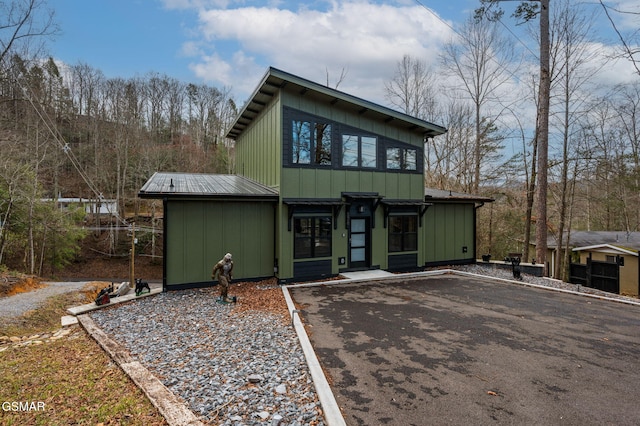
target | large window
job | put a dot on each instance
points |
(312, 237)
(359, 151)
(311, 143)
(401, 159)
(403, 233)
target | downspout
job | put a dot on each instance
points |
(475, 230)
(276, 270)
(164, 244)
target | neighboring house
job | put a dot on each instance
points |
(101, 207)
(609, 261)
(583, 239)
(325, 183)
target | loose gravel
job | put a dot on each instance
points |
(230, 369)
(19, 304)
(491, 270)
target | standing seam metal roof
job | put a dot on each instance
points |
(161, 185)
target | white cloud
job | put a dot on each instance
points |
(364, 38)
(630, 18)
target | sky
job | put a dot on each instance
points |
(231, 43)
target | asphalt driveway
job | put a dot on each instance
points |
(457, 350)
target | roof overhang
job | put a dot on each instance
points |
(275, 80)
(608, 248)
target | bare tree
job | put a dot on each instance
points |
(447, 157)
(570, 59)
(528, 11)
(629, 51)
(482, 61)
(23, 22)
(413, 89)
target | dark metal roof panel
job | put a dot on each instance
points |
(446, 195)
(276, 79)
(312, 201)
(204, 185)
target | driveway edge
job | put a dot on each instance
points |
(332, 414)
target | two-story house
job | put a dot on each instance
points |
(325, 183)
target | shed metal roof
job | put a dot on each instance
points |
(275, 79)
(162, 185)
(431, 194)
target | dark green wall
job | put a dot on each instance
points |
(258, 151)
(446, 229)
(201, 232)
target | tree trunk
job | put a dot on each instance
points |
(543, 138)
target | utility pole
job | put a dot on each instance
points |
(132, 260)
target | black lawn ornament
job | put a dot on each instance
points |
(515, 266)
(141, 286)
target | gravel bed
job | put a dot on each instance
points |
(492, 270)
(230, 369)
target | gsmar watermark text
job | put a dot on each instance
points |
(23, 406)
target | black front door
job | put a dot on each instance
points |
(359, 243)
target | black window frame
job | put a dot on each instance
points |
(408, 239)
(402, 160)
(360, 136)
(316, 239)
(338, 130)
(325, 160)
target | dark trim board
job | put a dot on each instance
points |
(450, 262)
(403, 262)
(316, 269)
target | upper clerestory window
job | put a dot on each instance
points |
(311, 143)
(401, 158)
(359, 151)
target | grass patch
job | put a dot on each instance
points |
(72, 379)
(43, 319)
(77, 383)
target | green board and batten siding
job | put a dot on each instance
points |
(446, 229)
(259, 153)
(203, 231)
(259, 156)
(319, 183)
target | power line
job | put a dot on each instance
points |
(462, 36)
(62, 144)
